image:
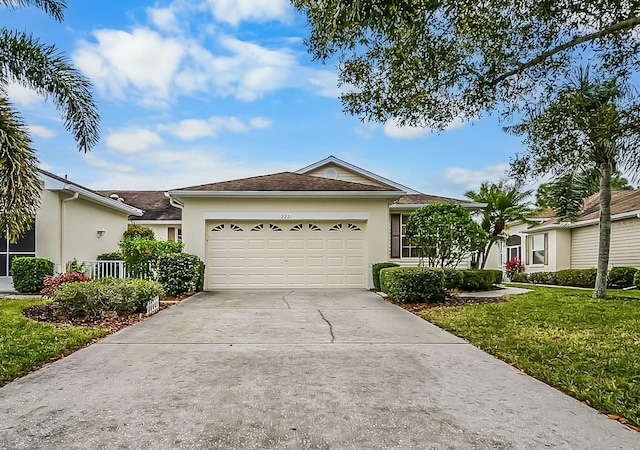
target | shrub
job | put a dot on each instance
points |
(478, 280)
(577, 277)
(141, 255)
(52, 283)
(453, 278)
(375, 272)
(636, 279)
(74, 266)
(138, 231)
(413, 284)
(497, 275)
(109, 256)
(28, 273)
(106, 296)
(621, 277)
(543, 278)
(513, 266)
(180, 273)
(520, 277)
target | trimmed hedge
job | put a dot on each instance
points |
(577, 277)
(621, 277)
(520, 277)
(636, 279)
(453, 278)
(29, 273)
(375, 272)
(478, 280)
(413, 284)
(180, 273)
(542, 278)
(105, 296)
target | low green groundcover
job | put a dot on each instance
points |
(25, 344)
(586, 347)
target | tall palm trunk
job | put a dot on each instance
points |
(604, 238)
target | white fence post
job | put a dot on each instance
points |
(103, 269)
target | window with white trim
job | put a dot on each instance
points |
(26, 246)
(408, 249)
(537, 249)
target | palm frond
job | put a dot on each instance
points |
(19, 185)
(54, 8)
(24, 60)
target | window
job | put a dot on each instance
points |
(538, 249)
(514, 247)
(179, 230)
(400, 245)
(26, 246)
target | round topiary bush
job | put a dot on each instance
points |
(180, 273)
(29, 273)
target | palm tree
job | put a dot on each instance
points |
(591, 124)
(28, 62)
(505, 203)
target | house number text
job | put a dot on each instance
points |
(286, 216)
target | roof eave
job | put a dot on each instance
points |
(288, 194)
(582, 223)
(408, 206)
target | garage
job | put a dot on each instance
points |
(281, 254)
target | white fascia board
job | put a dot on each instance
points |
(359, 170)
(289, 194)
(52, 184)
(155, 222)
(583, 223)
(285, 215)
(412, 206)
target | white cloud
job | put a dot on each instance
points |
(366, 130)
(236, 11)
(95, 161)
(23, 96)
(42, 132)
(171, 169)
(393, 130)
(190, 129)
(472, 178)
(164, 19)
(132, 140)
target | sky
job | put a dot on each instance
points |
(198, 91)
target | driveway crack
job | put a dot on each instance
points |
(284, 298)
(333, 337)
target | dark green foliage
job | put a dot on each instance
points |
(520, 277)
(577, 277)
(105, 296)
(413, 284)
(453, 278)
(138, 231)
(141, 255)
(542, 278)
(109, 256)
(621, 277)
(29, 273)
(478, 280)
(375, 272)
(180, 273)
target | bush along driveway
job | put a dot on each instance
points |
(586, 347)
(26, 345)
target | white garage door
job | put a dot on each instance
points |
(286, 254)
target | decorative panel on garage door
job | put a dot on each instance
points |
(286, 254)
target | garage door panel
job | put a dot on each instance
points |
(286, 254)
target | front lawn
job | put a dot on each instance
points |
(585, 347)
(25, 344)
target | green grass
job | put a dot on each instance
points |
(25, 344)
(586, 347)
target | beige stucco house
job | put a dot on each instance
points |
(321, 226)
(548, 244)
(71, 222)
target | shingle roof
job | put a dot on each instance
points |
(155, 204)
(425, 199)
(287, 181)
(621, 202)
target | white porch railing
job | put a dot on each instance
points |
(103, 269)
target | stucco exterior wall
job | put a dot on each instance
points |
(82, 221)
(194, 225)
(160, 231)
(625, 245)
(48, 227)
(343, 175)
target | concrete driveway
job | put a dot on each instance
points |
(322, 369)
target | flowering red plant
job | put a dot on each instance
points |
(514, 265)
(53, 283)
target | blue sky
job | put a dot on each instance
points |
(194, 92)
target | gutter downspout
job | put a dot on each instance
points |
(65, 200)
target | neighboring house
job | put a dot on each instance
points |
(71, 222)
(547, 244)
(322, 226)
(163, 218)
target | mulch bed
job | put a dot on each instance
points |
(48, 313)
(417, 308)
